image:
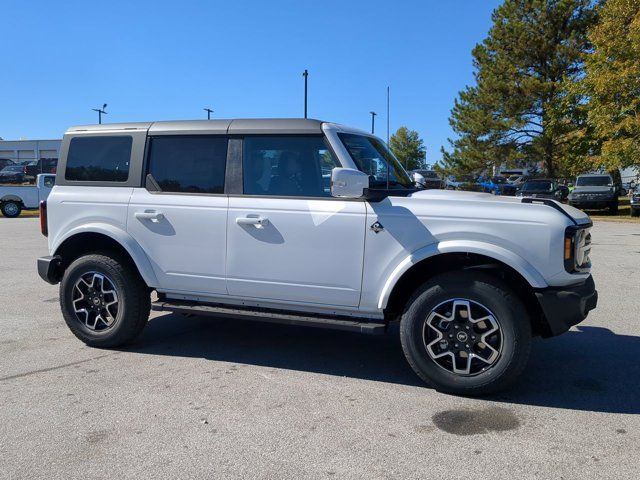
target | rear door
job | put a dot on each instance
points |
(289, 240)
(180, 216)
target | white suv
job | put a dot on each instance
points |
(307, 222)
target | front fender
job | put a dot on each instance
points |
(519, 264)
(132, 247)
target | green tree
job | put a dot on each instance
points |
(612, 85)
(521, 109)
(408, 148)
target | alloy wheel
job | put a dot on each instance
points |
(463, 337)
(95, 301)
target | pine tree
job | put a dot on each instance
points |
(521, 109)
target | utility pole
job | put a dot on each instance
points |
(209, 112)
(387, 115)
(305, 74)
(373, 122)
(100, 112)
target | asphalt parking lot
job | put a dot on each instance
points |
(208, 398)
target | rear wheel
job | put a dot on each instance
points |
(104, 301)
(466, 333)
(11, 209)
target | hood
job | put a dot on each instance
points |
(487, 206)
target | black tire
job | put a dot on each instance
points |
(133, 306)
(508, 310)
(613, 207)
(11, 209)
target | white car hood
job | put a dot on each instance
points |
(479, 200)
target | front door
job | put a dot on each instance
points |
(288, 239)
(180, 218)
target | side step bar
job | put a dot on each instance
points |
(270, 316)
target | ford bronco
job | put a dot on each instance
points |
(312, 223)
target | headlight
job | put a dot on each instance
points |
(577, 248)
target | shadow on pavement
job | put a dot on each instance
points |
(592, 369)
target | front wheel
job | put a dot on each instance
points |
(11, 209)
(466, 333)
(104, 301)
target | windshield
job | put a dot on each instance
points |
(514, 178)
(372, 157)
(12, 168)
(599, 181)
(499, 180)
(539, 186)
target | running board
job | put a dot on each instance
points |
(270, 316)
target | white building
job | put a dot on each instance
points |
(21, 151)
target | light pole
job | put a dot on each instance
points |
(387, 115)
(373, 122)
(305, 74)
(100, 112)
(209, 112)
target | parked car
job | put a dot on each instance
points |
(594, 191)
(231, 218)
(634, 201)
(11, 174)
(15, 198)
(463, 182)
(43, 165)
(428, 179)
(543, 188)
(496, 186)
(4, 162)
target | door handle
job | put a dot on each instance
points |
(152, 215)
(256, 221)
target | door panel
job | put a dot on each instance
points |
(293, 249)
(184, 237)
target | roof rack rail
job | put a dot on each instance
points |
(549, 203)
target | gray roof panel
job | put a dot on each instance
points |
(275, 126)
(190, 127)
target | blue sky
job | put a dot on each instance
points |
(167, 60)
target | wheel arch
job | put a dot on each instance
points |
(417, 268)
(81, 241)
(11, 198)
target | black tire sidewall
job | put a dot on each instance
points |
(509, 312)
(124, 290)
(19, 207)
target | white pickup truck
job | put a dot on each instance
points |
(311, 223)
(15, 198)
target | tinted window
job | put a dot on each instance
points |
(287, 166)
(539, 186)
(601, 181)
(99, 159)
(188, 164)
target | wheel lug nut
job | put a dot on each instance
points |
(455, 345)
(450, 335)
(456, 326)
(467, 327)
(467, 346)
(473, 338)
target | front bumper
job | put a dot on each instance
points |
(591, 204)
(564, 307)
(49, 269)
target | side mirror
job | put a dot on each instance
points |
(419, 180)
(348, 183)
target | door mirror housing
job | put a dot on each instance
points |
(348, 183)
(419, 180)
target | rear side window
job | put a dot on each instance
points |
(99, 159)
(188, 164)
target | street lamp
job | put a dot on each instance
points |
(373, 122)
(209, 112)
(100, 112)
(305, 74)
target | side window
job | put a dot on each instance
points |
(188, 164)
(99, 159)
(287, 166)
(49, 181)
